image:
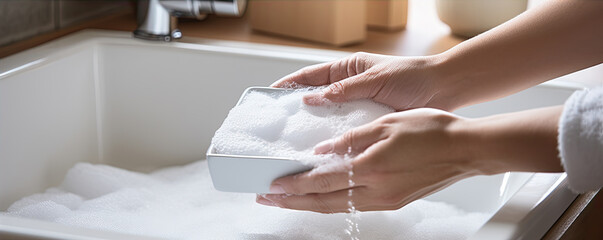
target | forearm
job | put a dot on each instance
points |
(521, 141)
(557, 38)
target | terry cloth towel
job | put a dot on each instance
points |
(581, 140)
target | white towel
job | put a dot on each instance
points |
(581, 140)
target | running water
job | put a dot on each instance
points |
(352, 217)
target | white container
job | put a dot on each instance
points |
(104, 97)
(468, 18)
(250, 174)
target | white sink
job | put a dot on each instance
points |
(104, 97)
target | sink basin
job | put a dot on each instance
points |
(105, 97)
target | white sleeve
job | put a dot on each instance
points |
(581, 140)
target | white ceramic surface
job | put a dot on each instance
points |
(104, 97)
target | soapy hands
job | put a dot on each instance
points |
(400, 82)
(395, 160)
(401, 157)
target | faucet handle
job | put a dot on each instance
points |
(229, 7)
(161, 16)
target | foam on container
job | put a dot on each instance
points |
(271, 133)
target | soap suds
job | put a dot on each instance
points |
(179, 203)
(278, 124)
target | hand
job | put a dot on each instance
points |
(402, 157)
(514, 56)
(400, 82)
(407, 155)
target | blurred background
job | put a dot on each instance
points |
(22, 19)
(398, 27)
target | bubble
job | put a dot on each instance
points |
(179, 203)
(280, 125)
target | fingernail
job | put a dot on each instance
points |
(277, 189)
(259, 199)
(314, 99)
(324, 147)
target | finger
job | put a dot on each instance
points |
(314, 75)
(322, 179)
(352, 88)
(320, 74)
(322, 202)
(355, 140)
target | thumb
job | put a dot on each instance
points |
(352, 88)
(355, 140)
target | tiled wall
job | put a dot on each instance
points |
(21, 19)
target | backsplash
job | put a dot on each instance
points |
(21, 19)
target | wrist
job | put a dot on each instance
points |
(523, 141)
(449, 82)
(471, 149)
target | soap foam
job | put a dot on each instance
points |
(278, 124)
(179, 203)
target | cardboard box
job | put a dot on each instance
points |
(336, 22)
(386, 14)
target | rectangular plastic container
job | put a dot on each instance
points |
(251, 174)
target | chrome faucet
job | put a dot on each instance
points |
(161, 15)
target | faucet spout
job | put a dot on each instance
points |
(157, 23)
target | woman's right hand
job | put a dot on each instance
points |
(407, 155)
(400, 82)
